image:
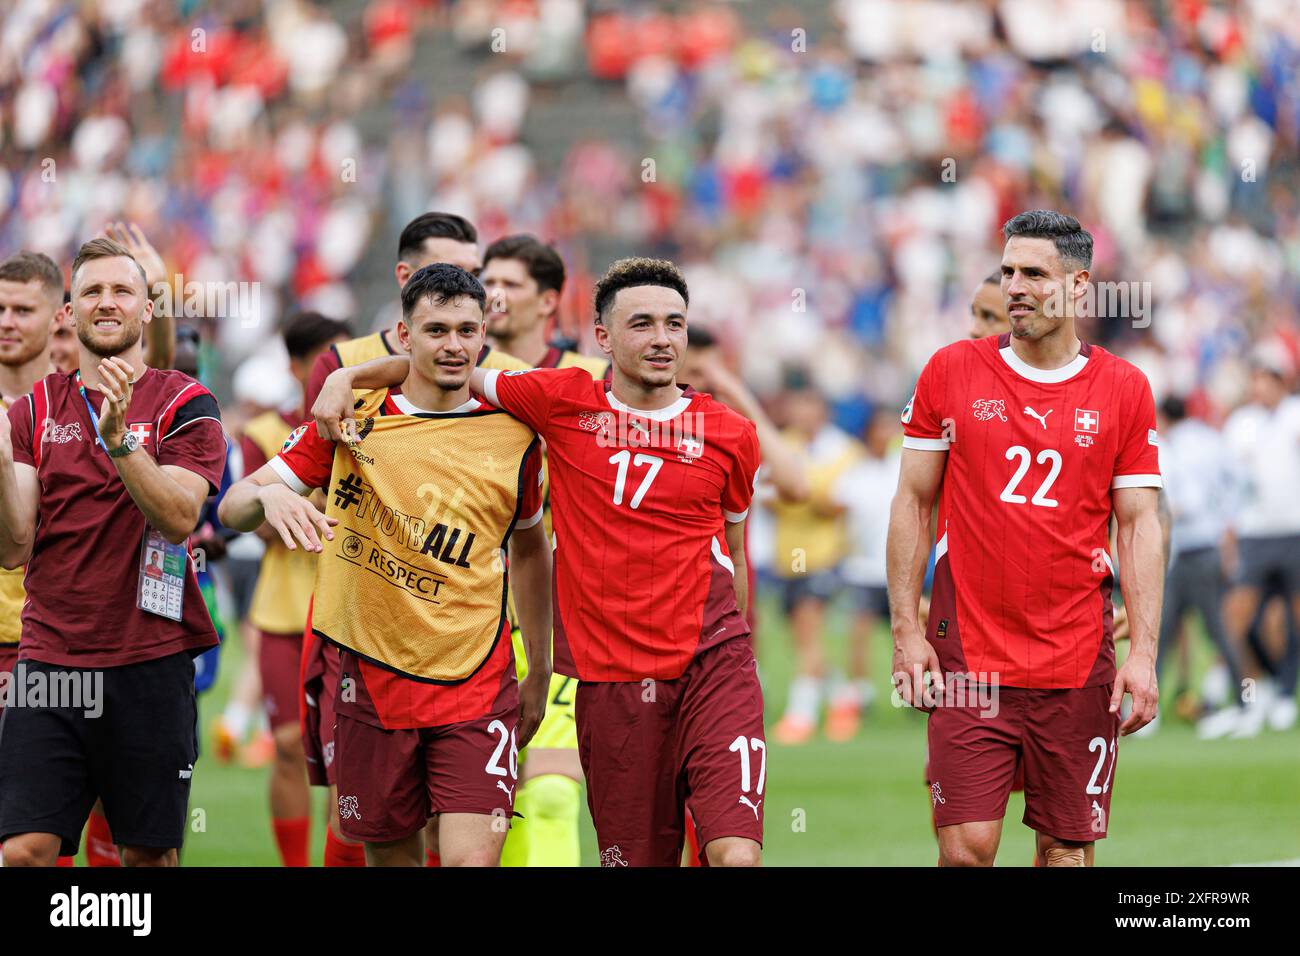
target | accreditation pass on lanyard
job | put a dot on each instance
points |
(162, 575)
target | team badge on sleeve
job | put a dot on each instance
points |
(142, 431)
(907, 410)
(295, 436)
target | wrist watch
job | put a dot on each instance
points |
(130, 442)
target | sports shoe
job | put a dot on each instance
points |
(224, 743)
(1219, 724)
(1282, 714)
(793, 731)
(1251, 722)
(842, 722)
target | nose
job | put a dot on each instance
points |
(1015, 283)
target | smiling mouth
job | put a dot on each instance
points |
(660, 361)
(107, 324)
(1020, 309)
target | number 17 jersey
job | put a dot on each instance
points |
(1023, 579)
(639, 503)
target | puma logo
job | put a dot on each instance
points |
(510, 791)
(752, 806)
(1042, 418)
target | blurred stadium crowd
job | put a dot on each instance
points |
(831, 180)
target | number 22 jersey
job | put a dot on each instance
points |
(1023, 579)
(643, 581)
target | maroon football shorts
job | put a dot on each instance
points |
(391, 781)
(278, 660)
(651, 748)
(319, 683)
(8, 659)
(1064, 740)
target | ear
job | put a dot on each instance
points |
(403, 333)
(147, 316)
(603, 340)
(550, 303)
(402, 272)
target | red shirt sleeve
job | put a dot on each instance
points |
(922, 417)
(528, 394)
(327, 362)
(530, 505)
(20, 430)
(739, 492)
(306, 460)
(1137, 465)
(195, 440)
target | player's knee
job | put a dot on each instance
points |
(29, 850)
(148, 856)
(553, 797)
(733, 853)
(288, 743)
(971, 851)
(1057, 854)
(479, 856)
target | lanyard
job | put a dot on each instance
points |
(94, 419)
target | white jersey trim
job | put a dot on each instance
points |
(657, 414)
(406, 407)
(941, 547)
(529, 522)
(490, 386)
(281, 468)
(721, 558)
(1045, 376)
(1137, 481)
(925, 444)
(734, 516)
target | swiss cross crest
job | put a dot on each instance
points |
(1087, 421)
(141, 430)
(987, 409)
(595, 421)
(688, 448)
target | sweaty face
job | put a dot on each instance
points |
(988, 312)
(514, 303)
(444, 339)
(27, 315)
(1035, 287)
(450, 251)
(646, 334)
(109, 304)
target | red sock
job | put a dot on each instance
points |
(66, 861)
(100, 850)
(338, 853)
(432, 859)
(291, 839)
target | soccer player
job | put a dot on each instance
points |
(524, 278)
(428, 238)
(413, 584)
(279, 606)
(117, 458)
(811, 542)
(650, 488)
(1036, 438)
(988, 310)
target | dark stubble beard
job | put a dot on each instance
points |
(126, 338)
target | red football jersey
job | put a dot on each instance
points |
(1023, 579)
(643, 580)
(82, 609)
(384, 697)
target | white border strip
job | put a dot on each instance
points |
(925, 444)
(1137, 481)
(281, 468)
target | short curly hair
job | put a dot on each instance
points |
(634, 271)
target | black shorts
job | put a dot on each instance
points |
(813, 585)
(1276, 558)
(132, 742)
(870, 599)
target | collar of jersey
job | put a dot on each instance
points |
(406, 408)
(1044, 376)
(658, 414)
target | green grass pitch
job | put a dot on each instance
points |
(1178, 801)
